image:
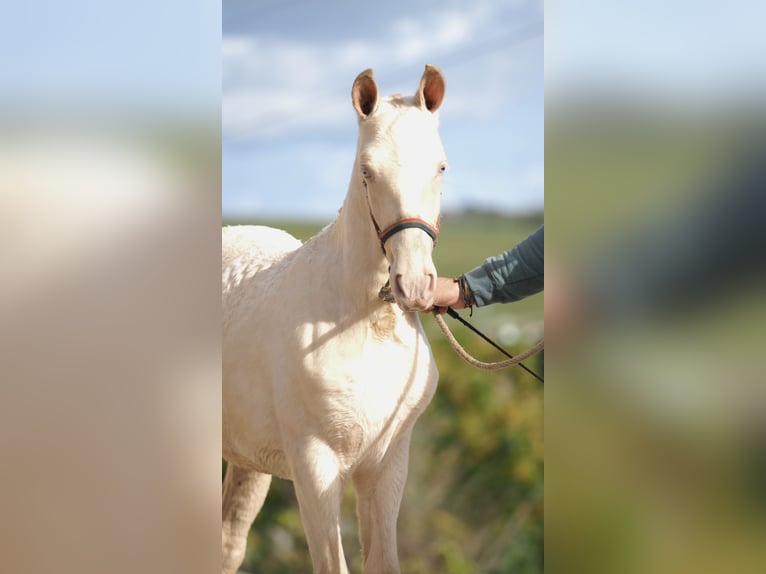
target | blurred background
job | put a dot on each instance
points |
(655, 287)
(110, 299)
(474, 496)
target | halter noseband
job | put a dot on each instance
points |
(402, 224)
(411, 222)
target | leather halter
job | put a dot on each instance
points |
(408, 223)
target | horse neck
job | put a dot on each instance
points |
(364, 268)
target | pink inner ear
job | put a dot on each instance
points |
(367, 101)
(433, 90)
(365, 95)
(431, 98)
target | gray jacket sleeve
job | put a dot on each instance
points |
(510, 276)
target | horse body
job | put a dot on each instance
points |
(323, 381)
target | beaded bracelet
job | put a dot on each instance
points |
(465, 292)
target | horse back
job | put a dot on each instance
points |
(255, 246)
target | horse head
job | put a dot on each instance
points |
(400, 161)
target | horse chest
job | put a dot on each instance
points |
(375, 376)
(362, 400)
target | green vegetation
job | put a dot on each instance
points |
(474, 496)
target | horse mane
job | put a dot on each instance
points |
(400, 101)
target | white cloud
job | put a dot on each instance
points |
(233, 47)
(414, 38)
(355, 54)
(276, 85)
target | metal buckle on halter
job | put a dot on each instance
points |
(386, 294)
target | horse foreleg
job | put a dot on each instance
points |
(243, 494)
(379, 490)
(318, 486)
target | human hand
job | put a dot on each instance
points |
(446, 294)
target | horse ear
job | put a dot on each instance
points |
(431, 89)
(364, 94)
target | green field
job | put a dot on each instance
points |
(474, 496)
(465, 240)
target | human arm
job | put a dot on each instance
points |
(510, 276)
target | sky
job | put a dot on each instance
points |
(289, 130)
(687, 51)
(89, 53)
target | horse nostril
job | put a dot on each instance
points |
(431, 282)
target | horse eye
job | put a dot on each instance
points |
(365, 173)
(442, 168)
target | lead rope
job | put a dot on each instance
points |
(481, 364)
(386, 295)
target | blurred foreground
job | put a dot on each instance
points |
(109, 345)
(656, 402)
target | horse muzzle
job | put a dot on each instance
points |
(413, 292)
(412, 276)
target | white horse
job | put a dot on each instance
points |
(322, 380)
